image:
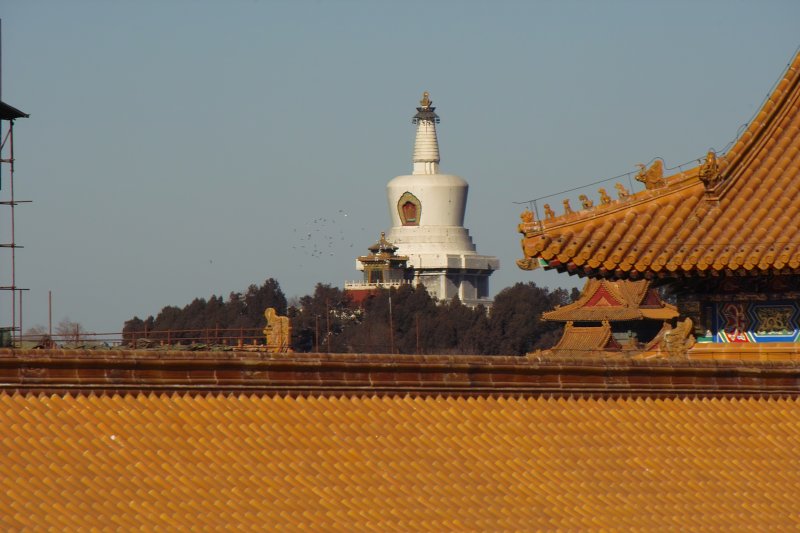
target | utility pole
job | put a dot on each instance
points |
(416, 322)
(316, 333)
(327, 327)
(391, 327)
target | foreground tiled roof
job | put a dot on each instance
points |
(730, 215)
(161, 440)
(397, 462)
(614, 300)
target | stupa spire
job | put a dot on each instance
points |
(427, 212)
(426, 145)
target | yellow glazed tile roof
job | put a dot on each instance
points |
(397, 463)
(603, 299)
(730, 215)
(584, 339)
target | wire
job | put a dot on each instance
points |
(628, 174)
(727, 147)
(625, 175)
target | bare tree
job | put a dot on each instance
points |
(70, 332)
(40, 335)
(36, 331)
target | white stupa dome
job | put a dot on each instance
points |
(427, 208)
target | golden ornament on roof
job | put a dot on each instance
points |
(528, 221)
(426, 99)
(652, 177)
(526, 216)
(709, 172)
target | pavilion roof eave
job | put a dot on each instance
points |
(685, 225)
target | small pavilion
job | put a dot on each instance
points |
(382, 268)
(619, 317)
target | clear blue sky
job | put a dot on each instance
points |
(187, 148)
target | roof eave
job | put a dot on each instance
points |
(8, 112)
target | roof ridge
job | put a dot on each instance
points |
(763, 123)
(672, 186)
(684, 223)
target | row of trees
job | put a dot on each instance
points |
(240, 316)
(402, 320)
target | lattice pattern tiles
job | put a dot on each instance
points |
(396, 463)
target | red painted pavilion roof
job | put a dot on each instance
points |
(614, 300)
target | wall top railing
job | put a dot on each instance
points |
(378, 285)
(215, 336)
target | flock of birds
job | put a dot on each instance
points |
(322, 236)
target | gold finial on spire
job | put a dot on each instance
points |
(426, 99)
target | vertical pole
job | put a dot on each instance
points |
(1, 83)
(391, 328)
(327, 327)
(416, 320)
(13, 289)
(1, 59)
(13, 240)
(316, 333)
(50, 313)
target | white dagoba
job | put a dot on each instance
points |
(427, 210)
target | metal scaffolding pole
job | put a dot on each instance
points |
(7, 115)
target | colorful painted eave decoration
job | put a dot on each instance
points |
(754, 322)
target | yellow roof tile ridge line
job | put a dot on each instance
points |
(589, 289)
(629, 294)
(641, 197)
(792, 64)
(618, 291)
(752, 136)
(757, 132)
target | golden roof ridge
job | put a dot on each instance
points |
(745, 148)
(675, 183)
(656, 231)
